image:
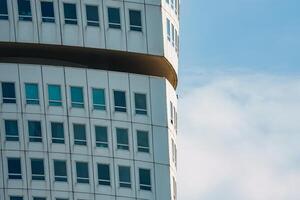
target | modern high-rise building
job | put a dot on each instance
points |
(88, 107)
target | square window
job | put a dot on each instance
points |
(124, 177)
(114, 20)
(15, 198)
(3, 10)
(57, 131)
(47, 11)
(32, 93)
(37, 169)
(120, 101)
(11, 130)
(98, 99)
(135, 20)
(145, 179)
(24, 10)
(101, 136)
(82, 171)
(92, 15)
(143, 141)
(70, 13)
(140, 101)
(79, 134)
(103, 174)
(35, 131)
(14, 168)
(60, 170)
(54, 95)
(122, 139)
(77, 100)
(8, 92)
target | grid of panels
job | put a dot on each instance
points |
(42, 147)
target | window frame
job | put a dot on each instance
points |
(77, 104)
(101, 144)
(93, 23)
(70, 21)
(15, 176)
(80, 142)
(9, 137)
(142, 149)
(47, 19)
(104, 182)
(99, 106)
(51, 101)
(60, 178)
(17, 197)
(10, 100)
(168, 29)
(32, 101)
(4, 15)
(55, 139)
(118, 108)
(136, 28)
(24, 17)
(122, 146)
(84, 180)
(114, 25)
(35, 138)
(38, 177)
(125, 184)
(142, 186)
(140, 111)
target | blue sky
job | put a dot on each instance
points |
(239, 100)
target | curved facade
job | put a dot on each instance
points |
(88, 103)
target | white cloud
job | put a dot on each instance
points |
(239, 138)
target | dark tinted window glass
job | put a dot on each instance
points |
(145, 179)
(32, 93)
(103, 174)
(11, 130)
(98, 99)
(114, 20)
(143, 141)
(57, 130)
(140, 104)
(8, 92)
(122, 139)
(135, 20)
(24, 10)
(60, 170)
(101, 136)
(92, 15)
(3, 9)
(37, 169)
(77, 97)
(15, 198)
(124, 177)
(120, 101)
(35, 131)
(14, 168)
(70, 13)
(54, 95)
(79, 134)
(82, 172)
(47, 11)
(39, 198)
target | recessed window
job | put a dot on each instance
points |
(15, 198)
(176, 6)
(77, 97)
(120, 101)
(92, 15)
(135, 20)
(142, 141)
(140, 103)
(98, 99)
(103, 174)
(145, 179)
(11, 130)
(122, 139)
(124, 177)
(171, 113)
(8, 92)
(14, 168)
(47, 10)
(174, 189)
(54, 95)
(114, 20)
(176, 41)
(37, 169)
(57, 131)
(172, 4)
(167, 1)
(3, 10)
(35, 131)
(60, 170)
(82, 171)
(32, 93)
(70, 13)
(61, 199)
(101, 136)
(168, 29)
(79, 134)
(24, 10)
(39, 198)
(173, 35)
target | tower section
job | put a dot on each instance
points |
(88, 105)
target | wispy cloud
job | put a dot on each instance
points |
(239, 138)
